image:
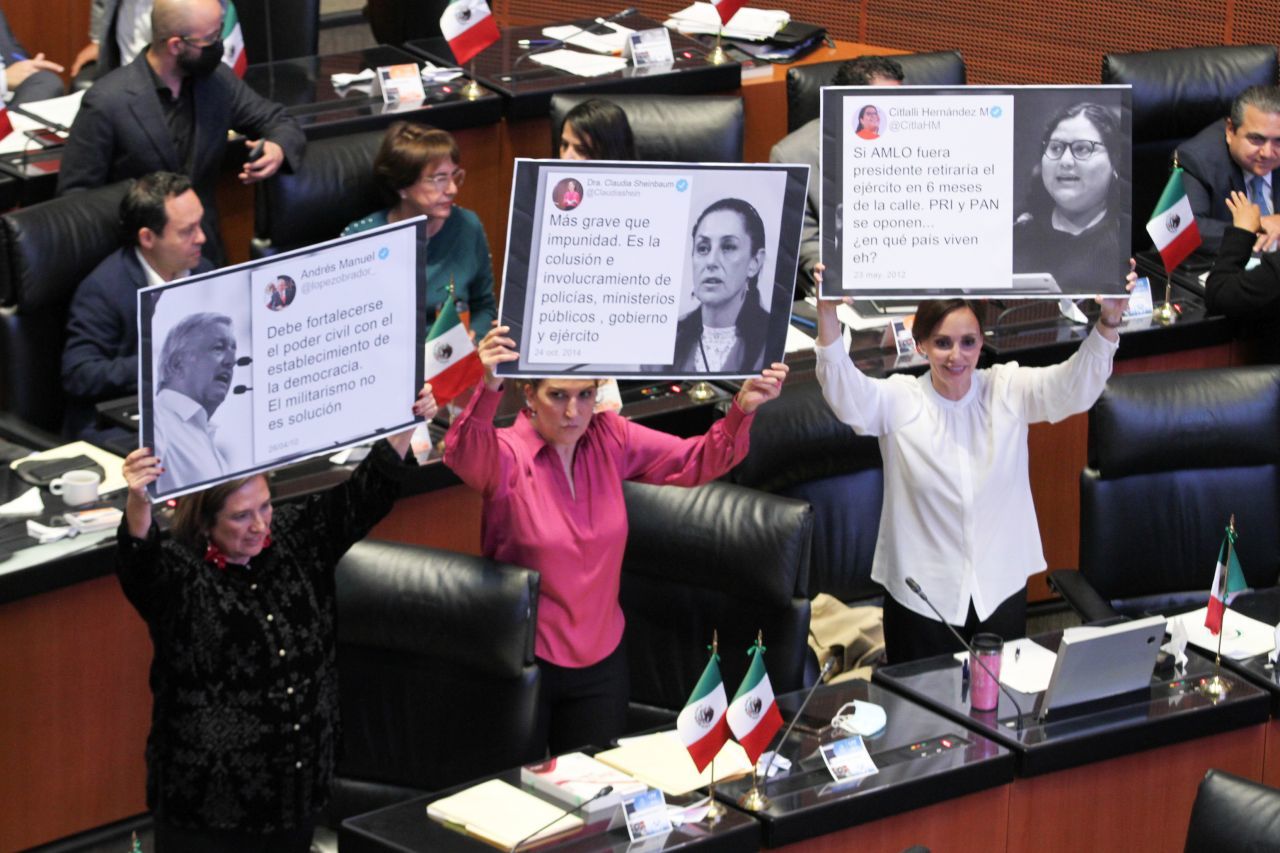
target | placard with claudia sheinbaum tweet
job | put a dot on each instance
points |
(650, 270)
(1003, 191)
(273, 361)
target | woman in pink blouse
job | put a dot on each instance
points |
(552, 486)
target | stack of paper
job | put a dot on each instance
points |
(579, 63)
(661, 761)
(612, 41)
(747, 24)
(502, 814)
(53, 112)
(1242, 637)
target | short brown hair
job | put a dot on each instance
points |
(196, 513)
(931, 313)
(406, 150)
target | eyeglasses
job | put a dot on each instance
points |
(203, 41)
(1081, 149)
(456, 177)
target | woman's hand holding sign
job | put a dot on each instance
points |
(494, 350)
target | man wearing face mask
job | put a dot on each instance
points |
(170, 110)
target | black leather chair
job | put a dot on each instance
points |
(333, 187)
(676, 128)
(799, 449)
(46, 250)
(804, 82)
(1234, 815)
(437, 677)
(716, 557)
(1177, 93)
(1171, 457)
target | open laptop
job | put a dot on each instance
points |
(1095, 663)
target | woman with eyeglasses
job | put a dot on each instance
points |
(419, 173)
(1070, 226)
(958, 518)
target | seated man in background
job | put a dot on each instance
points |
(170, 109)
(1239, 153)
(26, 78)
(161, 235)
(801, 146)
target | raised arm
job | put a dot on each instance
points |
(870, 406)
(141, 468)
(471, 446)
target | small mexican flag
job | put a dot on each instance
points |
(753, 714)
(452, 363)
(701, 723)
(1228, 579)
(728, 8)
(233, 41)
(1173, 226)
(469, 28)
(6, 126)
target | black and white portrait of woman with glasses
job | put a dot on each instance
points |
(1074, 215)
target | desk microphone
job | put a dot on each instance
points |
(554, 44)
(603, 792)
(826, 667)
(47, 122)
(241, 389)
(974, 657)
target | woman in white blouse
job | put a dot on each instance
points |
(957, 514)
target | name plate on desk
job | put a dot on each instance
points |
(401, 83)
(847, 759)
(649, 47)
(975, 191)
(653, 270)
(646, 814)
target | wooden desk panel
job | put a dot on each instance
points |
(448, 518)
(1271, 759)
(1140, 802)
(75, 715)
(972, 824)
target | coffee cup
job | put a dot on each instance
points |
(77, 488)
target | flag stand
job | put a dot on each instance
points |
(1166, 315)
(1216, 688)
(755, 799)
(717, 56)
(472, 90)
(716, 810)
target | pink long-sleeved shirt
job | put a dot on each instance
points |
(576, 539)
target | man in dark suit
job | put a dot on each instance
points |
(160, 223)
(1240, 153)
(26, 78)
(170, 110)
(801, 146)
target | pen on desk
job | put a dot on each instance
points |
(964, 671)
(1017, 654)
(536, 42)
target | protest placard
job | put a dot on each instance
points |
(1012, 191)
(272, 361)
(660, 270)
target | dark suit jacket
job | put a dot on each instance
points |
(1210, 176)
(1232, 291)
(747, 355)
(100, 359)
(120, 133)
(801, 146)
